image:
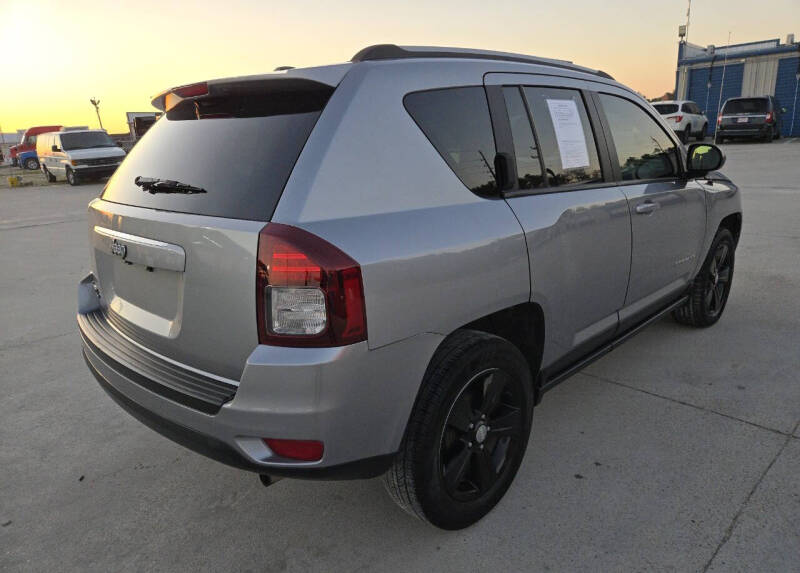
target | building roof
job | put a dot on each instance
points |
(693, 54)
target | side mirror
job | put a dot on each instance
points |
(703, 112)
(502, 170)
(54, 148)
(702, 158)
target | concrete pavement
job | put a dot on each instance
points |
(673, 453)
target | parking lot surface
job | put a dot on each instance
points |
(680, 451)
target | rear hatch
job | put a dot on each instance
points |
(176, 270)
(746, 112)
(670, 112)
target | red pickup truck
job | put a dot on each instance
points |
(28, 141)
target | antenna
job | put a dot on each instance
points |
(688, 16)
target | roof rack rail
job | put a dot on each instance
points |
(395, 52)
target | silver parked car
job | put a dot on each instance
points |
(380, 267)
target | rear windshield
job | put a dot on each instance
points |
(666, 108)
(241, 149)
(751, 105)
(86, 140)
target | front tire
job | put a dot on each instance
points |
(712, 285)
(467, 434)
(72, 178)
(31, 163)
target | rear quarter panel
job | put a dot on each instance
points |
(434, 256)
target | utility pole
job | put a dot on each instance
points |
(794, 105)
(96, 103)
(724, 65)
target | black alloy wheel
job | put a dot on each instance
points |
(718, 284)
(468, 431)
(711, 287)
(483, 431)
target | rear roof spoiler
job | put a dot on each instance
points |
(304, 79)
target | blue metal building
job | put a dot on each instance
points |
(752, 69)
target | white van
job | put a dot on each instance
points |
(78, 155)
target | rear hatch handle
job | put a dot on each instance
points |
(140, 250)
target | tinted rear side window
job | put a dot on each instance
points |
(751, 105)
(457, 123)
(240, 149)
(666, 108)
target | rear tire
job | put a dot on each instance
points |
(50, 177)
(709, 291)
(453, 467)
(719, 140)
(702, 135)
(687, 134)
(72, 178)
(768, 137)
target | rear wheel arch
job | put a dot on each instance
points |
(523, 325)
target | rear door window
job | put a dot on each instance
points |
(526, 150)
(240, 149)
(644, 150)
(457, 123)
(565, 136)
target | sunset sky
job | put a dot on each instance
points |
(56, 55)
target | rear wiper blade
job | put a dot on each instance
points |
(154, 185)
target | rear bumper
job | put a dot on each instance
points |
(355, 400)
(744, 130)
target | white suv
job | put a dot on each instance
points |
(684, 117)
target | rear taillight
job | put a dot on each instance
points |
(308, 292)
(769, 117)
(719, 120)
(677, 118)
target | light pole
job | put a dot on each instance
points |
(96, 103)
(794, 105)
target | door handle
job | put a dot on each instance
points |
(647, 207)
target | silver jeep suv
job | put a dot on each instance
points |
(380, 267)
